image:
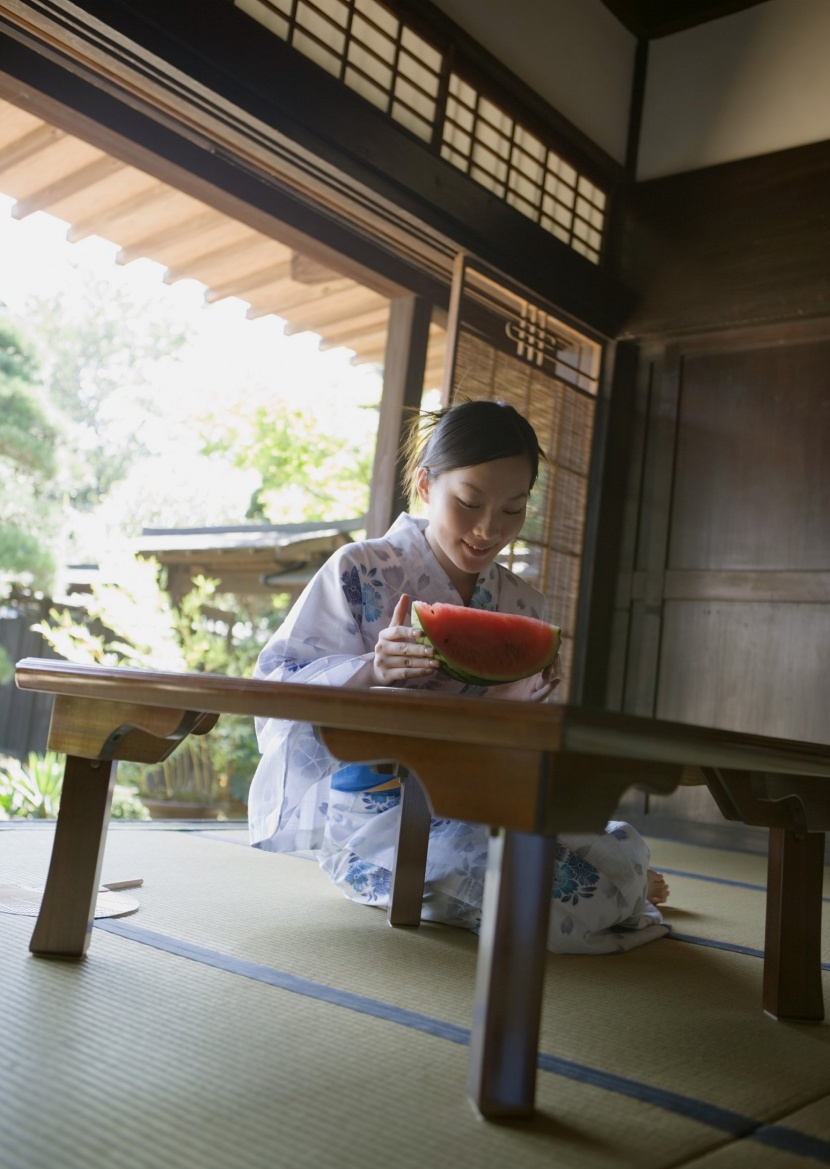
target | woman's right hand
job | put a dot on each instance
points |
(399, 656)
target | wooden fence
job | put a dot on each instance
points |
(24, 715)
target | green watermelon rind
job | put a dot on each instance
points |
(460, 675)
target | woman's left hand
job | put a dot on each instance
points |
(537, 688)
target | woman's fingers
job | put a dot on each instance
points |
(399, 617)
(398, 653)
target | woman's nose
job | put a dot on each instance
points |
(487, 527)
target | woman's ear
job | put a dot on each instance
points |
(422, 484)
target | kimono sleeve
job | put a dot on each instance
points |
(321, 641)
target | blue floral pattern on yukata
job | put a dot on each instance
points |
(574, 877)
(372, 883)
(362, 594)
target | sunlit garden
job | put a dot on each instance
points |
(128, 404)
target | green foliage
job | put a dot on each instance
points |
(133, 623)
(27, 461)
(97, 350)
(6, 668)
(32, 790)
(305, 473)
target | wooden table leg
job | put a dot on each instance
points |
(406, 896)
(510, 974)
(67, 911)
(792, 958)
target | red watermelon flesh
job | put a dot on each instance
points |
(484, 648)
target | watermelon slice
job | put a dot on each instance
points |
(484, 648)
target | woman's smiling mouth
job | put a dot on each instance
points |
(474, 551)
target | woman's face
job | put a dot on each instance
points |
(474, 512)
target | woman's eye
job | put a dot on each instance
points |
(464, 503)
(519, 512)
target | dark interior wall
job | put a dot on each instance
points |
(722, 612)
(737, 244)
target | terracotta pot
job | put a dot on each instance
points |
(180, 810)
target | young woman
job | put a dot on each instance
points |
(473, 466)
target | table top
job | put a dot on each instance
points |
(544, 727)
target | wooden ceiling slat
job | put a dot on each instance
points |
(15, 122)
(50, 197)
(22, 150)
(300, 296)
(46, 169)
(214, 265)
(106, 218)
(181, 243)
(160, 235)
(370, 343)
(369, 358)
(275, 274)
(334, 305)
(337, 336)
(62, 157)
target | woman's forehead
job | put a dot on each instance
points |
(510, 475)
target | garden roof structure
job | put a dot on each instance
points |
(47, 169)
(247, 560)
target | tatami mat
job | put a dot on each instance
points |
(248, 1015)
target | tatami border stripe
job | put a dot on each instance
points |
(710, 1114)
(790, 1140)
(713, 944)
(285, 981)
(720, 880)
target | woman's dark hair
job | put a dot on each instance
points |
(465, 435)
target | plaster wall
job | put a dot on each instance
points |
(573, 53)
(748, 84)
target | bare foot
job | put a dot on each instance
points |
(657, 891)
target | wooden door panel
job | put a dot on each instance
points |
(748, 666)
(751, 485)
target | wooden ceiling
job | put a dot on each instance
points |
(45, 169)
(659, 18)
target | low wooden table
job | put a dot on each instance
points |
(527, 770)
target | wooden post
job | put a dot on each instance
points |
(792, 957)
(403, 385)
(67, 911)
(510, 974)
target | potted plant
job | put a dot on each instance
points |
(185, 786)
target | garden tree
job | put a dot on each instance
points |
(27, 463)
(306, 472)
(98, 349)
(27, 460)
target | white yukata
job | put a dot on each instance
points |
(303, 800)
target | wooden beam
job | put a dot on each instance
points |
(328, 309)
(372, 346)
(403, 381)
(178, 232)
(100, 220)
(274, 274)
(28, 146)
(355, 325)
(231, 257)
(63, 188)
